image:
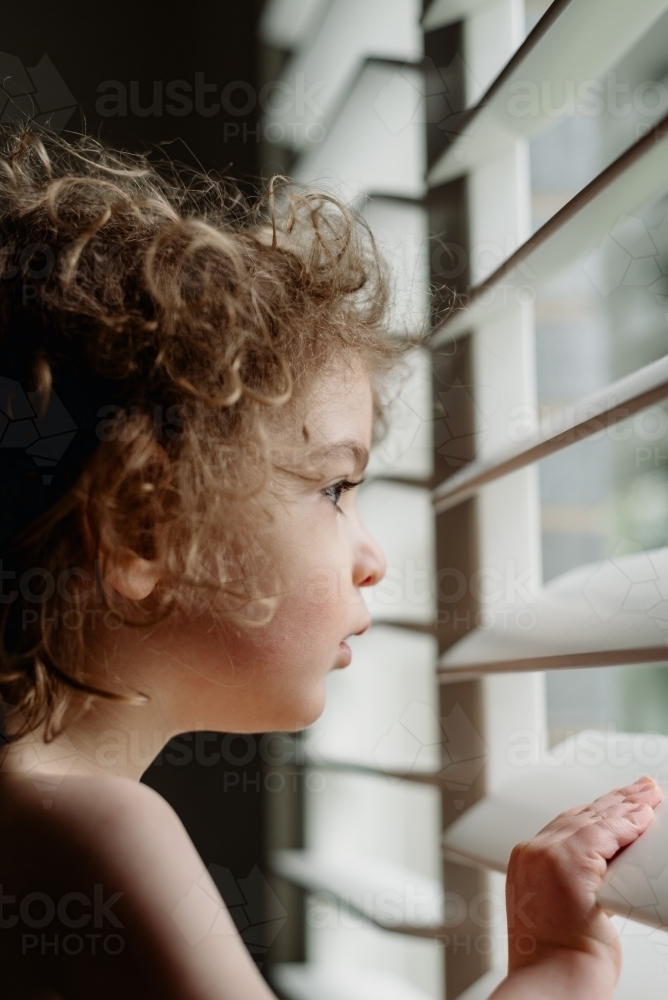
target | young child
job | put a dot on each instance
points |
(193, 390)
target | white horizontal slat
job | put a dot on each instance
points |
(332, 982)
(421, 776)
(573, 773)
(601, 410)
(644, 970)
(574, 232)
(348, 33)
(389, 895)
(377, 712)
(375, 142)
(398, 822)
(585, 40)
(286, 24)
(443, 12)
(636, 883)
(406, 449)
(406, 594)
(601, 614)
(401, 231)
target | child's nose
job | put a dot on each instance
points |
(370, 567)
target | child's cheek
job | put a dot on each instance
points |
(320, 574)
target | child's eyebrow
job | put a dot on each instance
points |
(359, 453)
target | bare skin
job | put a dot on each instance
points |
(565, 945)
(73, 816)
(102, 827)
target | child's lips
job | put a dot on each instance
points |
(345, 652)
(346, 655)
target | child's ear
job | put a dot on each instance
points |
(130, 575)
(85, 525)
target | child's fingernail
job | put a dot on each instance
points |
(645, 780)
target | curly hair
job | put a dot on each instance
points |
(168, 320)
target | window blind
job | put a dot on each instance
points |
(431, 759)
(574, 231)
(575, 42)
(600, 411)
(593, 615)
(366, 832)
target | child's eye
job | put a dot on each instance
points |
(336, 490)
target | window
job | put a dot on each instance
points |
(511, 159)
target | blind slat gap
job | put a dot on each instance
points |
(437, 778)
(570, 661)
(361, 885)
(566, 44)
(632, 180)
(596, 413)
(606, 614)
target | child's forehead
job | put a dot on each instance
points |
(337, 410)
(329, 424)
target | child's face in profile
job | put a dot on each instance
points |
(273, 677)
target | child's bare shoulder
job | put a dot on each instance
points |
(116, 843)
(101, 827)
(100, 812)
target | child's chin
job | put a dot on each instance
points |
(302, 716)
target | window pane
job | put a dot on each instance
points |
(601, 319)
(595, 121)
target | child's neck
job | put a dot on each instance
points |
(106, 740)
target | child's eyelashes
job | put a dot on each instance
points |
(336, 490)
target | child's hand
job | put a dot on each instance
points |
(560, 942)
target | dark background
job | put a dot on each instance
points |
(216, 789)
(126, 41)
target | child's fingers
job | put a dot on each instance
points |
(616, 804)
(610, 830)
(576, 854)
(578, 843)
(644, 791)
(585, 840)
